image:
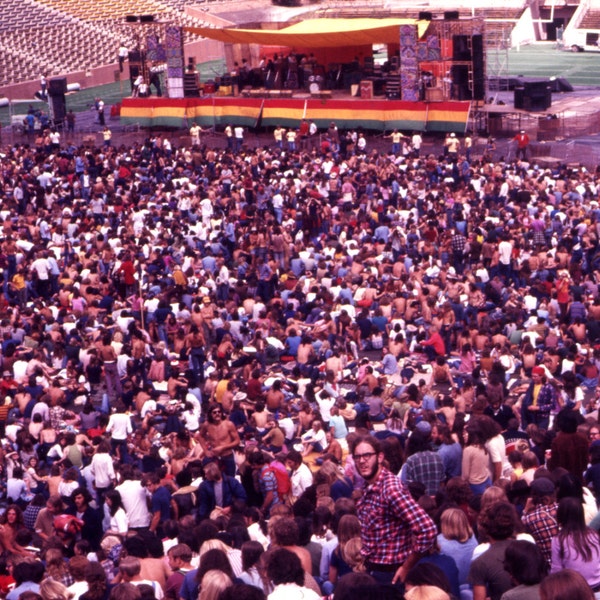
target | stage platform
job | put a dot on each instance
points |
(348, 112)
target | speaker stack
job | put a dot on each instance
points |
(135, 65)
(57, 105)
(472, 53)
(534, 96)
(478, 67)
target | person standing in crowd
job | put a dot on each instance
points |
(238, 133)
(522, 142)
(219, 437)
(100, 111)
(538, 400)
(576, 546)
(487, 574)
(122, 55)
(71, 118)
(539, 515)
(107, 136)
(160, 503)
(386, 506)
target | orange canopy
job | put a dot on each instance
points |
(318, 33)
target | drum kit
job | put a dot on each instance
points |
(314, 83)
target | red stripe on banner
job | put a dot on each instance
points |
(373, 114)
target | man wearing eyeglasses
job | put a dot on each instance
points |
(396, 532)
(218, 437)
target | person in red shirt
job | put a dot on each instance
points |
(303, 133)
(127, 269)
(254, 386)
(7, 384)
(434, 345)
(522, 140)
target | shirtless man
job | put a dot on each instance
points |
(57, 394)
(275, 397)
(176, 383)
(111, 374)
(305, 351)
(218, 438)
(335, 364)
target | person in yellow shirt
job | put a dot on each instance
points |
(19, 287)
(179, 279)
(396, 141)
(278, 135)
(106, 136)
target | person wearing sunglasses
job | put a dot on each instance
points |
(218, 437)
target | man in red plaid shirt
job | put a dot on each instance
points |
(396, 532)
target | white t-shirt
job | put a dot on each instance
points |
(133, 496)
(300, 479)
(119, 522)
(119, 425)
(497, 451)
(102, 469)
(292, 591)
(505, 252)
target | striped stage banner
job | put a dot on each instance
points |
(285, 112)
(378, 115)
(448, 116)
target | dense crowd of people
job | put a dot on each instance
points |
(300, 370)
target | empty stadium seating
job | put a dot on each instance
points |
(62, 36)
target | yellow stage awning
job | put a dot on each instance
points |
(318, 33)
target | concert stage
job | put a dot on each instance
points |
(347, 112)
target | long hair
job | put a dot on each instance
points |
(251, 553)
(574, 532)
(95, 577)
(19, 522)
(455, 525)
(213, 584)
(116, 502)
(348, 528)
(565, 585)
(55, 563)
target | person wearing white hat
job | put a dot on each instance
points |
(452, 145)
(522, 140)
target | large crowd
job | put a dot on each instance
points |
(301, 370)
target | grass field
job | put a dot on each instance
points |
(545, 60)
(110, 93)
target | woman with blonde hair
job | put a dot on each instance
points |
(492, 495)
(213, 544)
(212, 558)
(457, 540)
(56, 568)
(54, 590)
(340, 486)
(213, 583)
(351, 554)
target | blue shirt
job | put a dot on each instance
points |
(161, 502)
(293, 343)
(340, 430)
(451, 455)
(26, 586)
